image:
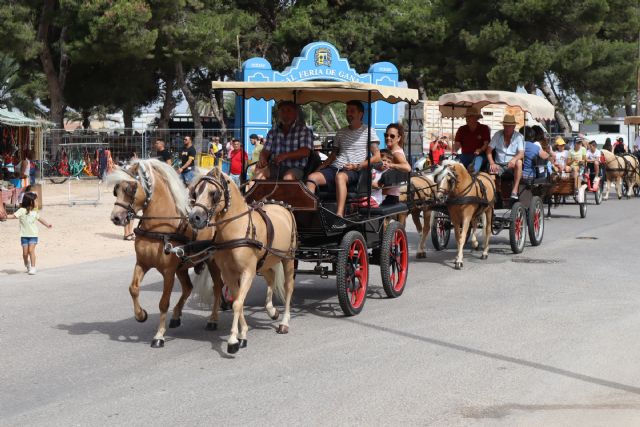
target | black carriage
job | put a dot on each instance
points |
(371, 235)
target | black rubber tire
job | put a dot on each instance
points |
(583, 210)
(394, 259)
(598, 195)
(345, 274)
(517, 234)
(536, 211)
(440, 231)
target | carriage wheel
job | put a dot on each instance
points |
(636, 190)
(598, 195)
(394, 260)
(535, 221)
(352, 273)
(440, 231)
(517, 234)
(583, 210)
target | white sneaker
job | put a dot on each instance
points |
(32, 270)
(27, 265)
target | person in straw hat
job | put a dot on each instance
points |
(509, 152)
(472, 139)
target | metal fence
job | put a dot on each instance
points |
(81, 148)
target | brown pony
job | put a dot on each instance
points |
(154, 188)
(618, 169)
(248, 239)
(423, 193)
(468, 198)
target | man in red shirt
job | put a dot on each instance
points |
(437, 148)
(473, 140)
(238, 159)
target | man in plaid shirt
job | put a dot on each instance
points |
(289, 145)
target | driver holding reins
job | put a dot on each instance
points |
(288, 146)
(509, 146)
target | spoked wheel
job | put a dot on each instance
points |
(583, 210)
(535, 221)
(394, 261)
(598, 195)
(636, 190)
(517, 235)
(440, 231)
(352, 273)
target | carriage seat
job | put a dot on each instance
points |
(385, 210)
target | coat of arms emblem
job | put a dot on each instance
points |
(322, 56)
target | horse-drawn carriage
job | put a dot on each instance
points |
(522, 216)
(370, 235)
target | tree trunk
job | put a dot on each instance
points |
(128, 111)
(86, 119)
(55, 78)
(335, 118)
(320, 109)
(561, 117)
(217, 109)
(193, 107)
(169, 103)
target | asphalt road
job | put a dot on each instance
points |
(553, 342)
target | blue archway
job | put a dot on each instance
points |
(317, 61)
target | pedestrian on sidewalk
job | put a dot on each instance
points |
(29, 217)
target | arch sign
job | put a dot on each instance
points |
(317, 61)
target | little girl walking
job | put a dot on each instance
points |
(28, 217)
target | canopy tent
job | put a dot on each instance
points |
(322, 92)
(9, 118)
(632, 120)
(454, 105)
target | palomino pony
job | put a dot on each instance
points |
(618, 169)
(248, 239)
(468, 198)
(154, 188)
(423, 193)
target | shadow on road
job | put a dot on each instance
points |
(496, 356)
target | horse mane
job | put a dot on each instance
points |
(176, 187)
(118, 175)
(445, 169)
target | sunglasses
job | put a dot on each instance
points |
(391, 135)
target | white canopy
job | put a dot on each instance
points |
(632, 120)
(456, 104)
(318, 91)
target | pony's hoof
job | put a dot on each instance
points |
(157, 343)
(458, 265)
(144, 316)
(242, 343)
(211, 326)
(174, 323)
(484, 256)
(224, 306)
(475, 247)
(283, 329)
(233, 348)
(275, 316)
(421, 255)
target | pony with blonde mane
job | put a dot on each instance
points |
(619, 169)
(249, 239)
(423, 194)
(154, 188)
(469, 198)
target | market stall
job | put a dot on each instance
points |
(20, 138)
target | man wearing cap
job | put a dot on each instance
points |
(509, 147)
(472, 139)
(255, 154)
(619, 147)
(288, 146)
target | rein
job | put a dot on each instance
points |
(463, 199)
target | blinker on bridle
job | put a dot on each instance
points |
(222, 186)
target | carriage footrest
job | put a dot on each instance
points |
(385, 210)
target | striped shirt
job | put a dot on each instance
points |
(352, 145)
(299, 136)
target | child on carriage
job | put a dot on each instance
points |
(534, 164)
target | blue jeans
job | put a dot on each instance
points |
(187, 177)
(26, 241)
(236, 179)
(477, 160)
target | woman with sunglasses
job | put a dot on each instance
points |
(394, 140)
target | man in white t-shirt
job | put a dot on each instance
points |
(509, 152)
(348, 157)
(593, 158)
